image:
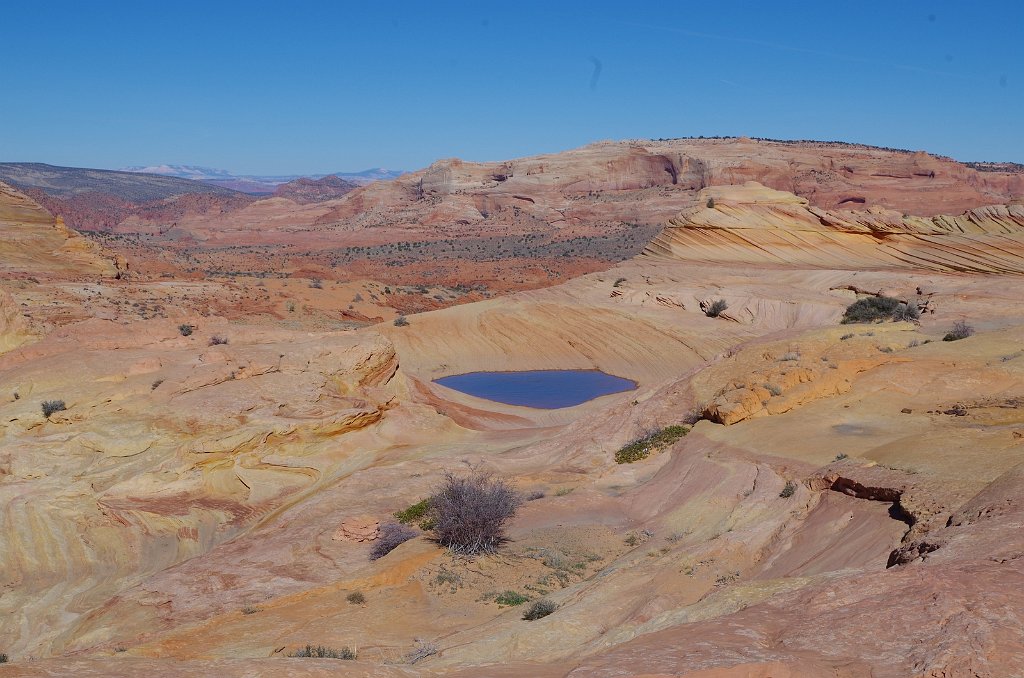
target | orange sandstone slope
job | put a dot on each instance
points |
(752, 224)
(33, 242)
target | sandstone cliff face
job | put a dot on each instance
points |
(755, 224)
(33, 242)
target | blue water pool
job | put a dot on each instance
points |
(545, 389)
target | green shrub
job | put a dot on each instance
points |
(418, 513)
(872, 309)
(185, 329)
(52, 406)
(641, 448)
(356, 598)
(510, 599)
(961, 330)
(321, 652)
(788, 490)
(539, 609)
(716, 308)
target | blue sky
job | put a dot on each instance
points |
(305, 87)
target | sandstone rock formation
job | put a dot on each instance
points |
(204, 507)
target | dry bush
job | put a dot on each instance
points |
(390, 536)
(470, 513)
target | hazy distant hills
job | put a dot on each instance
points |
(67, 182)
(257, 184)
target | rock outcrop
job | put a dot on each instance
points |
(753, 224)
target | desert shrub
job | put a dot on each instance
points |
(961, 330)
(418, 513)
(773, 389)
(535, 495)
(316, 284)
(563, 491)
(52, 406)
(470, 513)
(846, 336)
(710, 203)
(788, 490)
(3, 658)
(389, 537)
(841, 456)
(321, 652)
(217, 340)
(641, 448)
(619, 282)
(356, 598)
(421, 651)
(250, 609)
(401, 321)
(510, 599)
(906, 312)
(185, 329)
(791, 356)
(716, 308)
(871, 309)
(539, 609)
(156, 384)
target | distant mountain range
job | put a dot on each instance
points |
(256, 184)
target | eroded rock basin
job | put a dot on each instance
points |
(542, 389)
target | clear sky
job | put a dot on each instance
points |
(306, 87)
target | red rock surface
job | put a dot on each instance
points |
(204, 507)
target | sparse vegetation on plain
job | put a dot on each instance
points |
(643, 447)
(51, 407)
(510, 599)
(321, 652)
